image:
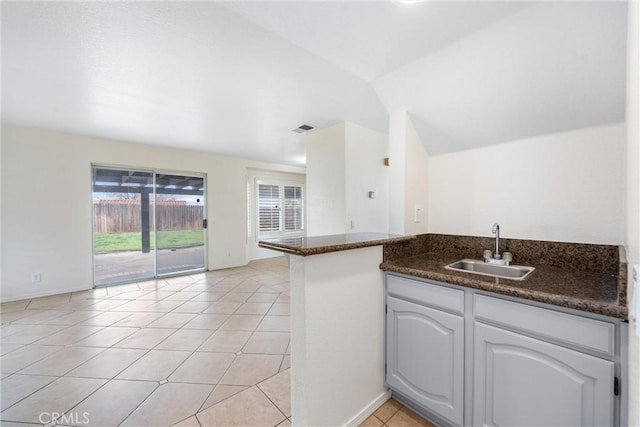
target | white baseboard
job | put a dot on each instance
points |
(42, 294)
(368, 410)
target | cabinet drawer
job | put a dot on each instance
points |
(426, 293)
(580, 331)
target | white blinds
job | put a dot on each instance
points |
(268, 207)
(249, 209)
(293, 208)
(280, 208)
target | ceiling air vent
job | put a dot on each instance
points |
(302, 128)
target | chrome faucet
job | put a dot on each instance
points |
(496, 230)
(496, 258)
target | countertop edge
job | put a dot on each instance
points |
(589, 306)
(289, 249)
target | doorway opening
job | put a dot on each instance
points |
(147, 224)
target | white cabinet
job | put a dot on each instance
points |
(425, 356)
(470, 358)
(519, 380)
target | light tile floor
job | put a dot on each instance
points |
(211, 349)
(394, 414)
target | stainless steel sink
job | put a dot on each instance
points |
(513, 272)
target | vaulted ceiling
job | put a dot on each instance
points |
(235, 78)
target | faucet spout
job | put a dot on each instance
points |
(496, 230)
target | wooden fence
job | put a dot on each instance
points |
(110, 216)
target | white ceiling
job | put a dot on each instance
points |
(373, 38)
(234, 78)
(552, 67)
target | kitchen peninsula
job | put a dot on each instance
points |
(338, 300)
(337, 326)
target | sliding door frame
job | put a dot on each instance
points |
(154, 173)
(204, 217)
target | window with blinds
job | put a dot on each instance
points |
(249, 209)
(293, 208)
(279, 208)
(269, 208)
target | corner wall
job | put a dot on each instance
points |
(408, 176)
(0, 215)
(326, 201)
(344, 163)
(365, 171)
(46, 205)
(416, 185)
(564, 187)
(632, 238)
(397, 171)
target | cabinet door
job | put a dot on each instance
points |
(425, 359)
(521, 381)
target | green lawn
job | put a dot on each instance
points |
(120, 242)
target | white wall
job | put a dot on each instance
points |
(409, 163)
(416, 183)
(397, 170)
(344, 163)
(0, 214)
(46, 205)
(632, 241)
(365, 171)
(326, 204)
(566, 187)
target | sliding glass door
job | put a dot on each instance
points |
(146, 224)
(122, 224)
(179, 223)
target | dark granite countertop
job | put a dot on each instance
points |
(581, 290)
(305, 246)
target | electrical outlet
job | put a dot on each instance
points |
(36, 277)
(353, 225)
(417, 213)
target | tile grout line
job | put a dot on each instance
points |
(273, 403)
(86, 397)
(201, 409)
(140, 404)
(185, 419)
(35, 391)
(39, 360)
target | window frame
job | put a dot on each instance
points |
(281, 182)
